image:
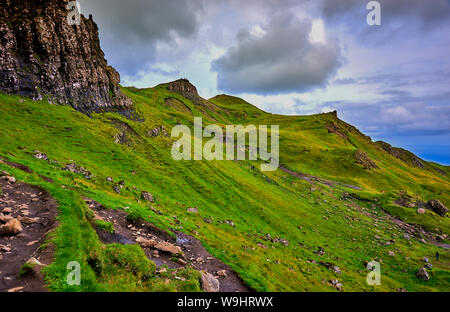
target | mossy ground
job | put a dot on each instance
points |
(308, 216)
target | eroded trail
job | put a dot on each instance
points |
(27, 214)
(163, 249)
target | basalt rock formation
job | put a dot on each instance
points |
(41, 55)
(186, 89)
(401, 154)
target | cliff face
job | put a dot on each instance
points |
(42, 55)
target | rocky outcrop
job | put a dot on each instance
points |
(437, 207)
(401, 154)
(41, 55)
(186, 89)
(363, 159)
(423, 274)
(209, 282)
(183, 87)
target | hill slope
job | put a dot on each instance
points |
(338, 199)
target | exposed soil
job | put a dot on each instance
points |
(311, 179)
(15, 250)
(126, 232)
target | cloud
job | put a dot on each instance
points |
(132, 30)
(427, 12)
(278, 58)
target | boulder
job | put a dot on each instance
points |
(209, 282)
(9, 179)
(168, 247)
(437, 207)
(12, 227)
(5, 219)
(146, 243)
(423, 274)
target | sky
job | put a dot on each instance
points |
(297, 57)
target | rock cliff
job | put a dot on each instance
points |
(41, 55)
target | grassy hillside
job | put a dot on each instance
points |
(304, 206)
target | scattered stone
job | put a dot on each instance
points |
(423, 274)
(109, 179)
(156, 132)
(209, 282)
(181, 261)
(147, 197)
(193, 210)
(5, 248)
(331, 267)
(391, 253)
(162, 270)
(426, 260)
(7, 210)
(320, 251)
(16, 289)
(222, 273)
(336, 284)
(421, 211)
(39, 155)
(229, 222)
(262, 246)
(77, 169)
(34, 262)
(116, 189)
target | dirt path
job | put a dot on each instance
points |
(127, 232)
(36, 211)
(311, 179)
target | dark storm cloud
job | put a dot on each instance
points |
(130, 30)
(280, 59)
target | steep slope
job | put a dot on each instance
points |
(300, 229)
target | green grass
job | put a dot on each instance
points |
(257, 202)
(105, 226)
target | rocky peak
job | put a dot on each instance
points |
(182, 86)
(41, 55)
(186, 89)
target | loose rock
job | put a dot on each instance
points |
(209, 282)
(12, 227)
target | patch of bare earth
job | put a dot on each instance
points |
(27, 214)
(163, 249)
